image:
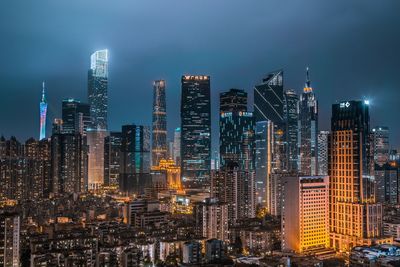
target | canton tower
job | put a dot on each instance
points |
(43, 113)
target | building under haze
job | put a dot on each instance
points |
(195, 129)
(355, 217)
(159, 128)
(98, 89)
(308, 131)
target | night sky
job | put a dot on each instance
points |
(351, 47)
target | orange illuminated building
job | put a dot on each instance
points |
(173, 173)
(355, 216)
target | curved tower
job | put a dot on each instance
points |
(159, 145)
(43, 114)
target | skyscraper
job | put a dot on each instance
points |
(308, 130)
(355, 217)
(268, 98)
(380, 135)
(135, 158)
(43, 114)
(387, 183)
(112, 158)
(290, 112)
(76, 116)
(323, 152)
(195, 129)
(236, 125)
(95, 141)
(159, 130)
(97, 89)
(177, 146)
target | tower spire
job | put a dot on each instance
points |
(307, 87)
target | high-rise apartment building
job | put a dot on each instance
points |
(43, 114)
(380, 139)
(308, 131)
(195, 129)
(159, 129)
(323, 152)
(10, 240)
(98, 89)
(355, 216)
(387, 183)
(135, 158)
(290, 112)
(211, 218)
(112, 158)
(305, 213)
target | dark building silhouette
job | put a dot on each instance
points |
(75, 116)
(135, 159)
(112, 158)
(195, 129)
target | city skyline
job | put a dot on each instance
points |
(363, 75)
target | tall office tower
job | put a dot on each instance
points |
(355, 217)
(263, 161)
(308, 130)
(380, 135)
(67, 168)
(387, 183)
(290, 112)
(43, 114)
(159, 129)
(305, 213)
(234, 186)
(97, 89)
(323, 152)
(235, 126)
(75, 116)
(177, 147)
(211, 218)
(195, 129)
(9, 240)
(95, 141)
(269, 98)
(135, 158)
(112, 158)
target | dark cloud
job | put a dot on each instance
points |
(352, 48)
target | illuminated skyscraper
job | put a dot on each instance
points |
(195, 129)
(323, 152)
(305, 213)
(177, 147)
(290, 112)
(380, 135)
(76, 116)
(308, 131)
(159, 130)
(236, 125)
(97, 89)
(43, 114)
(355, 217)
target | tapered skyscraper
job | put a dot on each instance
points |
(159, 130)
(97, 89)
(308, 130)
(43, 114)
